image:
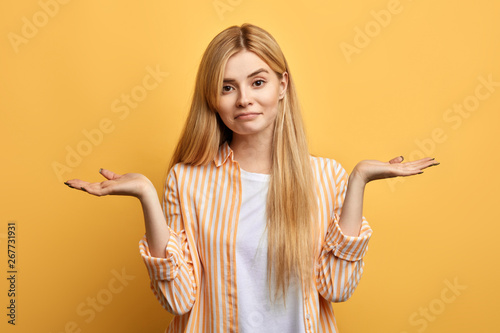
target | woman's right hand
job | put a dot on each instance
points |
(130, 184)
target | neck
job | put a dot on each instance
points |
(253, 154)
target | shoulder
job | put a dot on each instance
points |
(222, 157)
(323, 163)
(182, 168)
(185, 172)
(327, 169)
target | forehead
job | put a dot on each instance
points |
(241, 64)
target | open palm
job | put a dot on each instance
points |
(368, 170)
(129, 184)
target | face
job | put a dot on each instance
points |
(251, 91)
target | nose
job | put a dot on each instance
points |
(243, 99)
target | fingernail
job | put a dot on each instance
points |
(402, 158)
(100, 170)
(65, 183)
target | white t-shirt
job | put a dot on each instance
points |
(256, 313)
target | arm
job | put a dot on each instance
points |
(340, 264)
(157, 231)
(369, 170)
(165, 251)
(135, 185)
(172, 274)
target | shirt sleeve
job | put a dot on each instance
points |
(340, 264)
(172, 278)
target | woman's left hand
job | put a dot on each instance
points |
(369, 170)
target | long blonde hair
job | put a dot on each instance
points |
(291, 202)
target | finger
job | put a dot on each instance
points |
(95, 189)
(417, 167)
(68, 184)
(425, 163)
(109, 174)
(398, 159)
(75, 183)
(431, 164)
(78, 184)
(421, 162)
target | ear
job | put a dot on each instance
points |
(283, 85)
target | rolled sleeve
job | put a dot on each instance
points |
(172, 278)
(351, 248)
(164, 268)
(340, 264)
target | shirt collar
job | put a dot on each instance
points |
(223, 154)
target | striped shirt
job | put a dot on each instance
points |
(197, 280)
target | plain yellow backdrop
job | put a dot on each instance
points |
(91, 84)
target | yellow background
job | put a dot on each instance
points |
(385, 99)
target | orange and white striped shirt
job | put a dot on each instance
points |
(197, 279)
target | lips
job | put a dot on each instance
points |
(247, 115)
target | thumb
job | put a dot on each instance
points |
(108, 174)
(398, 159)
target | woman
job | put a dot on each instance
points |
(256, 234)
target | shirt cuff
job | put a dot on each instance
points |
(350, 248)
(162, 268)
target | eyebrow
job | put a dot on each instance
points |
(260, 70)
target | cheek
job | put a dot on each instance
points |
(224, 106)
(267, 97)
(225, 111)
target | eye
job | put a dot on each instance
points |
(259, 83)
(226, 89)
